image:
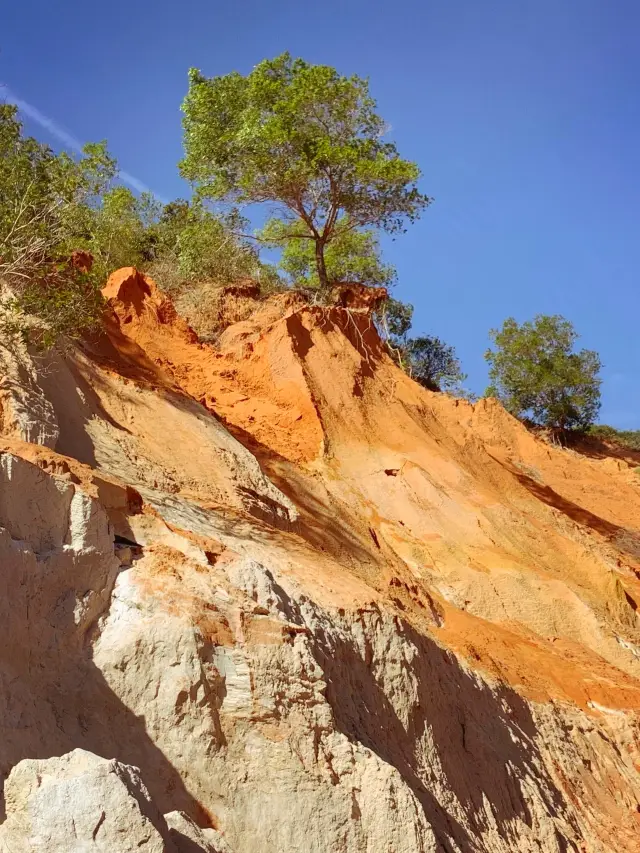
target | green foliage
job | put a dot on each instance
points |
(195, 253)
(351, 256)
(181, 243)
(190, 244)
(536, 374)
(208, 248)
(433, 364)
(395, 319)
(63, 304)
(51, 205)
(306, 139)
(43, 199)
(426, 359)
(119, 231)
(629, 438)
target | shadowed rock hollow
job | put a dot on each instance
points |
(317, 606)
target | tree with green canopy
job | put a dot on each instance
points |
(536, 374)
(43, 196)
(307, 141)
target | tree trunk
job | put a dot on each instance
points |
(321, 267)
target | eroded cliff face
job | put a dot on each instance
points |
(319, 607)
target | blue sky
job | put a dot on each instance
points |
(524, 117)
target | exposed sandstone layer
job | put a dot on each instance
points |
(341, 613)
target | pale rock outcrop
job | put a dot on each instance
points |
(249, 727)
(80, 802)
(25, 411)
(57, 570)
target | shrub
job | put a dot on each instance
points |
(43, 202)
(433, 364)
(629, 438)
(427, 359)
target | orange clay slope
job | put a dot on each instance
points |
(521, 556)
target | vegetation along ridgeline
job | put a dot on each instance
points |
(309, 144)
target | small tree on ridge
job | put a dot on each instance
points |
(305, 139)
(434, 364)
(536, 374)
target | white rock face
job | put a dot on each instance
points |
(299, 727)
(317, 732)
(25, 410)
(57, 571)
(78, 803)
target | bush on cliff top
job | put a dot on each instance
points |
(427, 359)
(52, 205)
(628, 438)
(42, 201)
(536, 374)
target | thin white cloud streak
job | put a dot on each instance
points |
(48, 124)
(67, 138)
(137, 185)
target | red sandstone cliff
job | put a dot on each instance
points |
(343, 613)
